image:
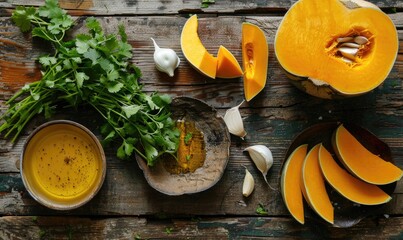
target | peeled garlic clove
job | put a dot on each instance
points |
(233, 120)
(165, 59)
(248, 184)
(263, 159)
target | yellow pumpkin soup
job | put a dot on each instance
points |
(62, 165)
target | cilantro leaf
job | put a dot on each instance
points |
(114, 87)
(47, 61)
(93, 55)
(131, 110)
(122, 33)
(81, 77)
(22, 17)
(187, 138)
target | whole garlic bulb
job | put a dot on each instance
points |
(166, 60)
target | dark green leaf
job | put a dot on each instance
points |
(121, 152)
(122, 33)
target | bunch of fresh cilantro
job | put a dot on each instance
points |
(91, 69)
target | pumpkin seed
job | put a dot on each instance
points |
(346, 60)
(350, 45)
(361, 40)
(345, 39)
(348, 52)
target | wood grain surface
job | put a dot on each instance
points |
(126, 207)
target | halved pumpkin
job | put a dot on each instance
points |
(194, 50)
(227, 65)
(350, 187)
(291, 179)
(255, 57)
(361, 162)
(314, 186)
(336, 48)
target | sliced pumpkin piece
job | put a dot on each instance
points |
(194, 50)
(255, 57)
(291, 179)
(347, 48)
(314, 185)
(227, 65)
(361, 162)
(347, 185)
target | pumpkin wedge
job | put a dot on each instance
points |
(291, 179)
(361, 162)
(255, 57)
(194, 50)
(314, 186)
(227, 65)
(346, 48)
(347, 185)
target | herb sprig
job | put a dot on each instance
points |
(91, 69)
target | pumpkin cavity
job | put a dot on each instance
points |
(352, 48)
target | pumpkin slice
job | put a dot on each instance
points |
(194, 50)
(361, 162)
(350, 187)
(291, 179)
(347, 47)
(255, 57)
(227, 65)
(314, 186)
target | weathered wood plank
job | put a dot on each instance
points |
(155, 7)
(197, 228)
(274, 118)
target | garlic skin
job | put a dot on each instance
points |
(166, 60)
(263, 159)
(233, 120)
(248, 184)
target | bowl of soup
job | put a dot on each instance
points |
(62, 165)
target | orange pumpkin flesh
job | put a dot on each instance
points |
(291, 179)
(307, 47)
(194, 50)
(361, 162)
(350, 187)
(314, 186)
(227, 65)
(255, 57)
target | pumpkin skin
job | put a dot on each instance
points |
(194, 51)
(308, 50)
(255, 58)
(314, 188)
(362, 163)
(348, 186)
(291, 180)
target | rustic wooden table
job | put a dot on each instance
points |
(127, 207)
